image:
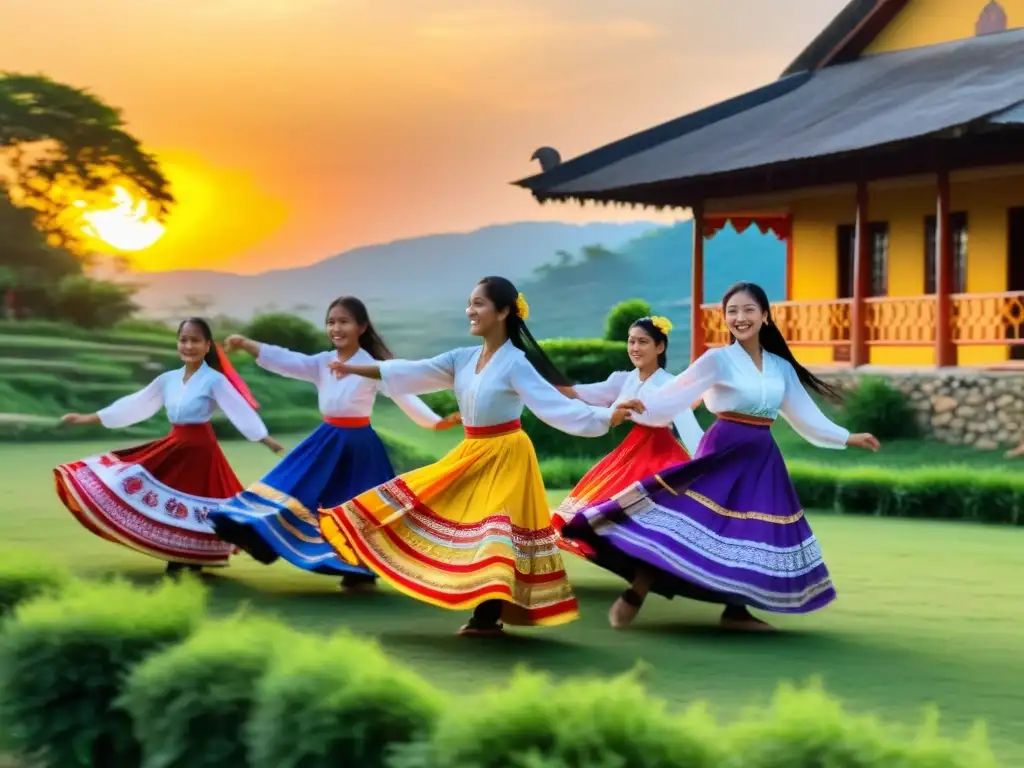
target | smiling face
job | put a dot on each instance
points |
(643, 350)
(342, 329)
(484, 318)
(193, 345)
(744, 316)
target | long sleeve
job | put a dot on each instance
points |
(602, 393)
(131, 409)
(418, 377)
(420, 413)
(239, 412)
(689, 431)
(573, 417)
(284, 362)
(679, 395)
(804, 415)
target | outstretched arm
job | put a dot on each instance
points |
(130, 409)
(573, 417)
(666, 403)
(406, 377)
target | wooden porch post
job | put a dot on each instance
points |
(697, 339)
(789, 262)
(861, 280)
(945, 351)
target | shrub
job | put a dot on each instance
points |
(609, 723)
(622, 316)
(27, 575)
(877, 407)
(404, 455)
(90, 303)
(807, 729)
(190, 703)
(288, 331)
(63, 659)
(588, 360)
(337, 702)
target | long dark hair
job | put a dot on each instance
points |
(771, 339)
(503, 295)
(646, 324)
(212, 359)
(369, 339)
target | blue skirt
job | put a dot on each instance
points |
(277, 516)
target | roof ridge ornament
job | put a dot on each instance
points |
(992, 19)
(548, 158)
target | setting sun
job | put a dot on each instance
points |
(126, 226)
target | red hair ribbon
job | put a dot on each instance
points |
(232, 376)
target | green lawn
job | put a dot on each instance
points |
(925, 612)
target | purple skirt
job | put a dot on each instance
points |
(726, 527)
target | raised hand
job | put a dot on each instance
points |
(632, 405)
(233, 342)
(338, 368)
(619, 415)
(864, 440)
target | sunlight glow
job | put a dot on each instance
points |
(126, 226)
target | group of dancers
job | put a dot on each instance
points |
(710, 517)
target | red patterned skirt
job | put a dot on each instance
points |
(645, 452)
(155, 498)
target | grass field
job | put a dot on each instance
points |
(924, 614)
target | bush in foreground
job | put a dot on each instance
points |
(342, 701)
(63, 660)
(535, 723)
(190, 703)
(26, 575)
(806, 728)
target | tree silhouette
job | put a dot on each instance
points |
(60, 144)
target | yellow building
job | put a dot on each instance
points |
(889, 156)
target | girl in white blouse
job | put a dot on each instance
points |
(650, 445)
(473, 531)
(277, 516)
(156, 498)
(726, 527)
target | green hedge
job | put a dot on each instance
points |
(27, 575)
(937, 493)
(63, 660)
(189, 703)
(114, 676)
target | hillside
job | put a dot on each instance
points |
(421, 272)
(573, 299)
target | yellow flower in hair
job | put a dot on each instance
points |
(663, 324)
(522, 308)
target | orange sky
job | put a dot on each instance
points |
(295, 129)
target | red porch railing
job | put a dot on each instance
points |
(977, 319)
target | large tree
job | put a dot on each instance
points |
(60, 144)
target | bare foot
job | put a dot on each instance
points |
(621, 614)
(1013, 453)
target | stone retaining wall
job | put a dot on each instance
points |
(961, 406)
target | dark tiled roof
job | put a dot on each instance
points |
(873, 101)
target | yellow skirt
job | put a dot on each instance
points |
(472, 527)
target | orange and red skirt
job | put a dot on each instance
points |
(645, 452)
(472, 527)
(155, 498)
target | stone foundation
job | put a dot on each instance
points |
(961, 406)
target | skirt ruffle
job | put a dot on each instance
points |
(277, 516)
(475, 526)
(155, 498)
(644, 452)
(726, 527)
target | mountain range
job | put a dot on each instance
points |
(416, 288)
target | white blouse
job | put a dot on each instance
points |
(498, 393)
(347, 397)
(728, 381)
(626, 385)
(191, 402)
